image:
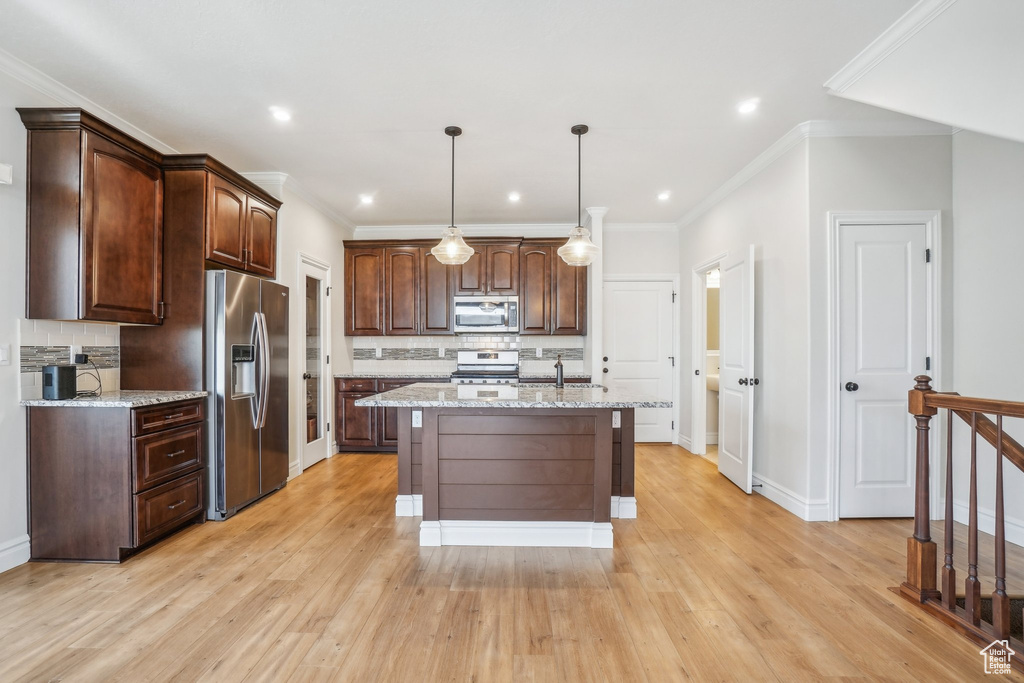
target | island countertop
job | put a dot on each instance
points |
(510, 396)
(124, 398)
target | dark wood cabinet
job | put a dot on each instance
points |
(568, 298)
(436, 296)
(95, 225)
(471, 276)
(401, 290)
(364, 290)
(369, 430)
(502, 268)
(261, 228)
(535, 288)
(225, 223)
(136, 476)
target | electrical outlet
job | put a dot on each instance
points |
(6, 174)
(5, 354)
(540, 352)
(417, 418)
(440, 352)
(616, 419)
(379, 352)
(75, 350)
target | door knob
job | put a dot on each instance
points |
(606, 359)
(306, 375)
(743, 381)
(755, 381)
(604, 370)
(852, 386)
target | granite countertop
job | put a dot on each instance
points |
(390, 375)
(118, 399)
(510, 396)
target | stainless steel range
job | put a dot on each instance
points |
(487, 367)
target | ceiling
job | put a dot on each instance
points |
(373, 83)
(958, 62)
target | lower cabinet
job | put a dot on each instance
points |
(368, 430)
(106, 481)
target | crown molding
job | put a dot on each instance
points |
(803, 131)
(905, 28)
(276, 183)
(63, 95)
(386, 232)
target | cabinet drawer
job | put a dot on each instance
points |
(168, 454)
(165, 416)
(356, 385)
(163, 508)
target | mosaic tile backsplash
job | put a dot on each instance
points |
(49, 342)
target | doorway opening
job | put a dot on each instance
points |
(316, 405)
(712, 353)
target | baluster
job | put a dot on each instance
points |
(972, 587)
(948, 572)
(1000, 600)
(921, 584)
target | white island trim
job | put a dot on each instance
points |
(513, 533)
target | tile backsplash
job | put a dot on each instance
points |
(49, 342)
(425, 354)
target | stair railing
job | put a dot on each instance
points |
(921, 585)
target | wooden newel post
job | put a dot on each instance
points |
(921, 564)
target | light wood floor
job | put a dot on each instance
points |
(322, 582)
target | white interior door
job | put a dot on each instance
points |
(316, 376)
(639, 355)
(736, 368)
(883, 327)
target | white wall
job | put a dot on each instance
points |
(13, 478)
(988, 211)
(632, 248)
(866, 174)
(769, 211)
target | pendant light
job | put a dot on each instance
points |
(579, 250)
(452, 250)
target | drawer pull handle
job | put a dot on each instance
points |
(175, 454)
(171, 417)
(180, 502)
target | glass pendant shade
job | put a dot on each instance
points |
(579, 250)
(452, 250)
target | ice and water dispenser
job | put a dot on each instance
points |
(243, 370)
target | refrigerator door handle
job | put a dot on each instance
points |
(256, 400)
(264, 369)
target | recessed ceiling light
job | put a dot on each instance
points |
(513, 196)
(748, 106)
(663, 196)
(280, 114)
(366, 198)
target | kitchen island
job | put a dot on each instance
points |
(516, 464)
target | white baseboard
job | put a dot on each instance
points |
(712, 439)
(1013, 527)
(685, 442)
(530, 534)
(14, 552)
(409, 506)
(807, 510)
(294, 470)
(623, 507)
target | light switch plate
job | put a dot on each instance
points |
(417, 418)
(5, 354)
(616, 419)
(6, 174)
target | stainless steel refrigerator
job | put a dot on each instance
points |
(247, 377)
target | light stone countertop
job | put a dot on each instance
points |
(510, 396)
(124, 398)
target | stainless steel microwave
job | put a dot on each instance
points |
(486, 314)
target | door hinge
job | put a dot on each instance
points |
(328, 291)
(673, 359)
(927, 255)
(328, 359)
(161, 316)
(328, 427)
(673, 424)
(673, 297)
(928, 363)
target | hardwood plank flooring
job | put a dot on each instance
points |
(320, 582)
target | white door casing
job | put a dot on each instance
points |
(883, 344)
(736, 370)
(639, 345)
(315, 450)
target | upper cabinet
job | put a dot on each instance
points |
(399, 288)
(95, 225)
(240, 218)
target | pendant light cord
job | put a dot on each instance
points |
(453, 181)
(579, 178)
